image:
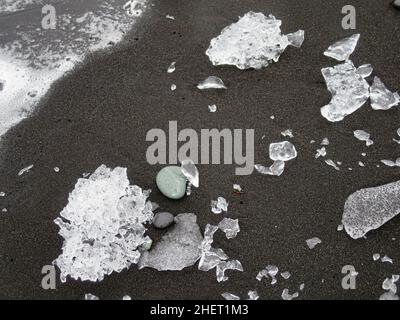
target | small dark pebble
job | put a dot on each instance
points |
(163, 220)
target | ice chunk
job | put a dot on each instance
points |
(253, 295)
(24, 170)
(270, 271)
(230, 296)
(363, 136)
(210, 257)
(230, 227)
(168, 16)
(313, 242)
(219, 205)
(212, 108)
(237, 188)
(389, 284)
(282, 151)
(285, 275)
(381, 97)
(368, 209)
(178, 248)
(212, 82)
(348, 88)
(287, 296)
(254, 41)
(391, 163)
(387, 259)
(365, 70)
(287, 133)
(89, 296)
(173, 87)
(342, 49)
(376, 256)
(389, 296)
(331, 163)
(276, 169)
(227, 265)
(171, 67)
(126, 297)
(190, 171)
(325, 142)
(320, 153)
(102, 225)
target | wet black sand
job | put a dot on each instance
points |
(102, 112)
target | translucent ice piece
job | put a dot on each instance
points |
(285, 275)
(313, 242)
(212, 108)
(24, 170)
(230, 227)
(89, 296)
(287, 133)
(190, 171)
(365, 70)
(381, 97)
(211, 82)
(269, 272)
(287, 296)
(368, 209)
(349, 91)
(252, 42)
(276, 169)
(173, 87)
(230, 296)
(219, 205)
(391, 163)
(342, 49)
(363, 136)
(227, 265)
(253, 295)
(178, 248)
(331, 163)
(171, 67)
(282, 151)
(237, 188)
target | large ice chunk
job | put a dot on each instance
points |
(368, 209)
(252, 42)
(348, 88)
(178, 248)
(381, 97)
(102, 225)
(342, 49)
(282, 151)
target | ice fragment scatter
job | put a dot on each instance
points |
(342, 49)
(211, 82)
(381, 97)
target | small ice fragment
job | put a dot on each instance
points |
(4, 210)
(376, 256)
(287, 133)
(272, 117)
(287, 296)
(361, 164)
(331, 163)
(389, 163)
(230, 296)
(349, 91)
(311, 243)
(301, 288)
(89, 296)
(386, 259)
(381, 97)
(178, 248)
(237, 188)
(24, 170)
(320, 153)
(227, 265)
(365, 70)
(282, 151)
(190, 171)
(173, 87)
(325, 142)
(253, 295)
(230, 227)
(339, 227)
(276, 169)
(389, 284)
(254, 41)
(56, 169)
(212, 108)
(269, 272)
(285, 275)
(2, 194)
(171, 67)
(211, 82)
(363, 136)
(219, 205)
(170, 17)
(369, 209)
(342, 49)
(210, 257)
(389, 296)
(126, 297)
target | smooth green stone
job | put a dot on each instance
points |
(171, 182)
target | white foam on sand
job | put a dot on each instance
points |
(35, 58)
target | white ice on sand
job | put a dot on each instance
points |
(102, 225)
(381, 97)
(313, 242)
(254, 41)
(211, 82)
(368, 209)
(178, 248)
(280, 153)
(342, 49)
(363, 136)
(219, 205)
(190, 171)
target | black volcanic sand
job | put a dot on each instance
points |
(100, 114)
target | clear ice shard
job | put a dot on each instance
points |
(368, 209)
(363, 136)
(391, 163)
(287, 296)
(190, 171)
(178, 248)
(171, 67)
(212, 82)
(381, 97)
(349, 91)
(227, 265)
(342, 49)
(276, 169)
(254, 41)
(285, 275)
(331, 163)
(102, 225)
(365, 70)
(282, 151)
(24, 170)
(219, 205)
(313, 242)
(229, 296)
(230, 227)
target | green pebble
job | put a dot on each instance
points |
(171, 182)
